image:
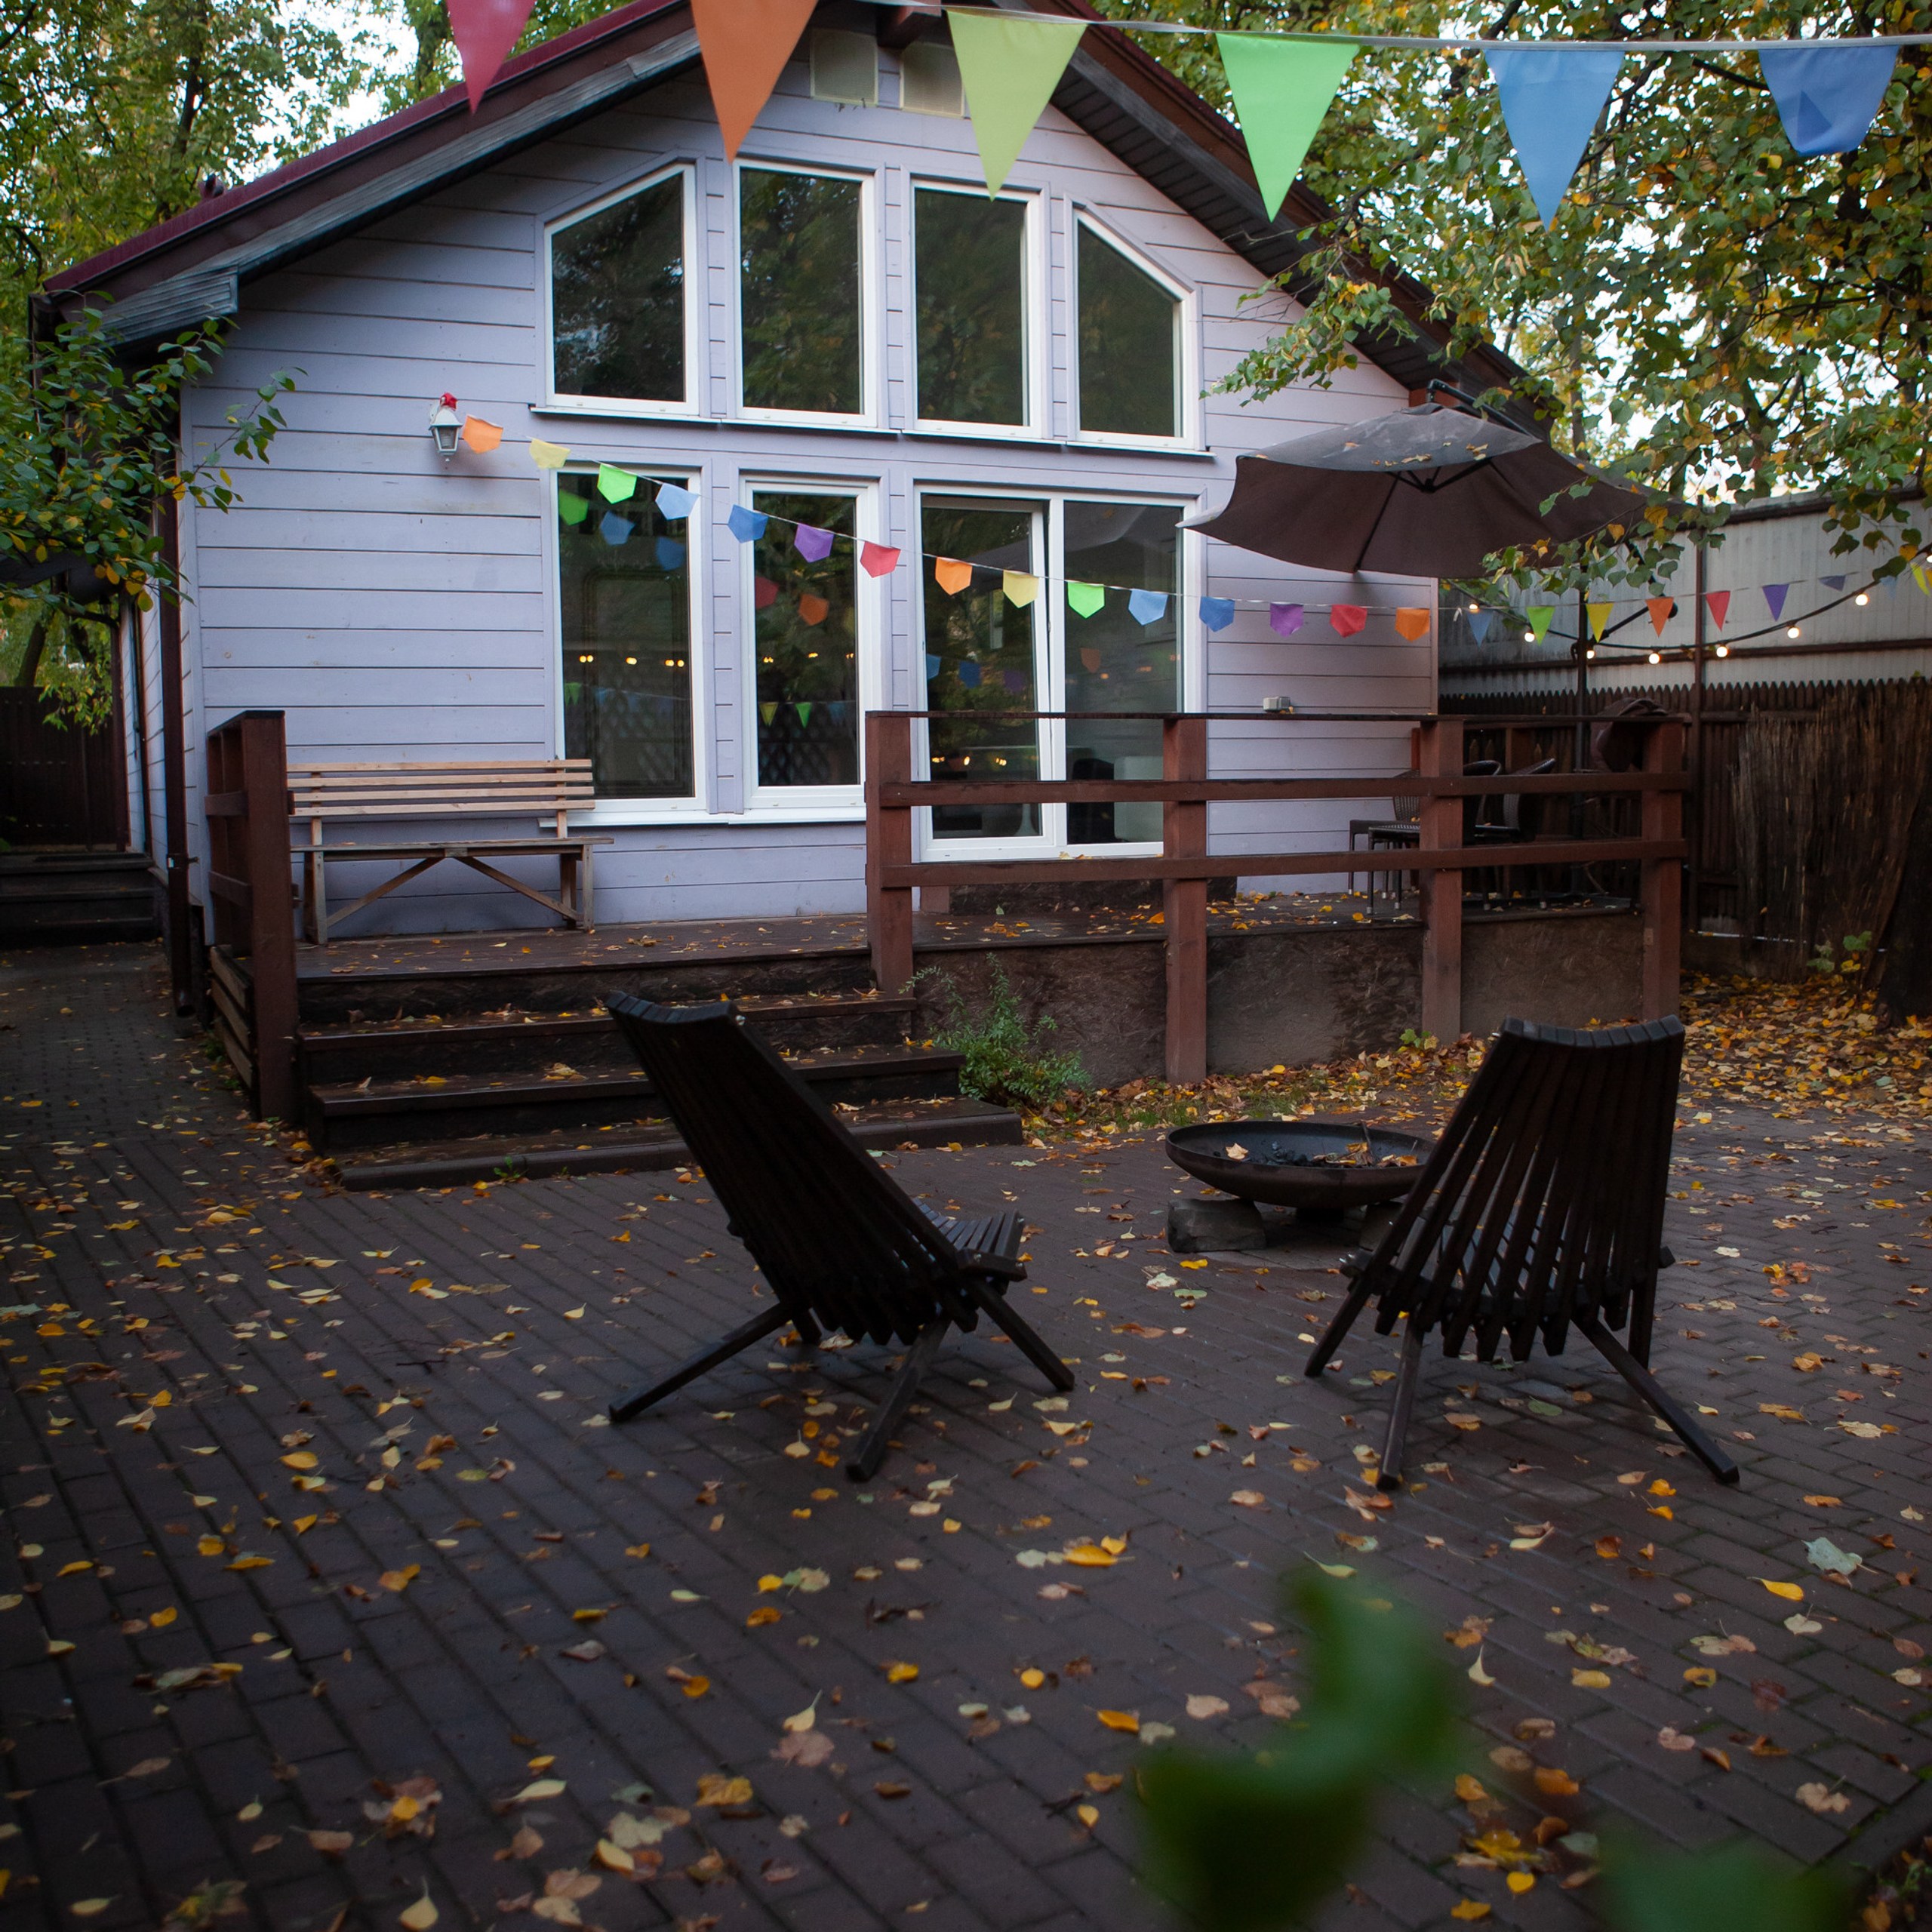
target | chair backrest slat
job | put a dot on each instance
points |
(835, 1236)
(1543, 1200)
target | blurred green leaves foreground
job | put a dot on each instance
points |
(1249, 1843)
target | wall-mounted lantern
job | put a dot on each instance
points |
(445, 425)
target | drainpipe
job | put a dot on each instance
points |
(174, 770)
(1696, 829)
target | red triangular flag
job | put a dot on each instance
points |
(878, 559)
(1345, 619)
(1719, 602)
(745, 45)
(485, 31)
(1660, 609)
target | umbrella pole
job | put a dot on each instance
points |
(1579, 754)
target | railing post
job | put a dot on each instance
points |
(1663, 891)
(888, 842)
(271, 913)
(1440, 755)
(1184, 904)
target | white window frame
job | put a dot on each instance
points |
(869, 302)
(691, 807)
(566, 402)
(1035, 323)
(820, 802)
(1187, 344)
(1051, 635)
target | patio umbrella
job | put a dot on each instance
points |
(1428, 491)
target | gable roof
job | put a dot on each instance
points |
(191, 268)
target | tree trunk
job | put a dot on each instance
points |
(29, 671)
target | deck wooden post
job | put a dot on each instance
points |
(1663, 891)
(1440, 755)
(888, 842)
(1184, 905)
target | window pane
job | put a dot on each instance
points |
(971, 270)
(800, 291)
(808, 641)
(624, 594)
(979, 658)
(1114, 663)
(617, 299)
(1129, 331)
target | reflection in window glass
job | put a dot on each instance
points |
(799, 291)
(617, 299)
(807, 634)
(1116, 663)
(970, 266)
(625, 595)
(979, 658)
(1129, 343)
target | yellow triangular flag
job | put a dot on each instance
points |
(1599, 615)
(548, 456)
(1021, 586)
(1009, 64)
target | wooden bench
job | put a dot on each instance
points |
(550, 789)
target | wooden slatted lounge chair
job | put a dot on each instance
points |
(1540, 1210)
(842, 1247)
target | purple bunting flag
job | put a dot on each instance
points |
(813, 544)
(1774, 596)
(1832, 583)
(1285, 620)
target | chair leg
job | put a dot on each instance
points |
(1333, 1335)
(636, 1400)
(1653, 1392)
(862, 1467)
(1004, 1316)
(1390, 1475)
(809, 1330)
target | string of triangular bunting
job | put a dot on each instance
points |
(1551, 94)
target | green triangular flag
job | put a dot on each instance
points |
(804, 711)
(1539, 615)
(572, 508)
(1010, 65)
(614, 484)
(1086, 597)
(1281, 90)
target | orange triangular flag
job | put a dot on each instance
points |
(1412, 623)
(952, 576)
(745, 45)
(481, 434)
(1660, 608)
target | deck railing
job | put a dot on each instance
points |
(1184, 865)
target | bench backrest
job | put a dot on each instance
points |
(1544, 1198)
(835, 1236)
(551, 788)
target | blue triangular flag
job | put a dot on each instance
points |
(1479, 624)
(932, 666)
(670, 554)
(615, 529)
(1827, 96)
(1149, 607)
(674, 501)
(1774, 596)
(747, 526)
(1832, 583)
(1552, 98)
(969, 674)
(1217, 613)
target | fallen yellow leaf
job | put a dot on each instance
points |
(1032, 1678)
(1091, 1556)
(1469, 1789)
(1469, 1909)
(1520, 1881)
(1702, 1675)
(714, 1789)
(421, 1915)
(1120, 1720)
(1791, 1592)
(399, 1580)
(1089, 1815)
(302, 1458)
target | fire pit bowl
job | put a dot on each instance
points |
(1317, 1168)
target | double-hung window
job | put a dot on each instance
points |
(621, 311)
(1130, 344)
(804, 342)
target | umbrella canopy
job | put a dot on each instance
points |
(1429, 491)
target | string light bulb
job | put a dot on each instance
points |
(1474, 609)
(1791, 631)
(1591, 652)
(1861, 600)
(1529, 637)
(1656, 657)
(1723, 650)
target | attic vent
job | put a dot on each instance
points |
(929, 79)
(845, 67)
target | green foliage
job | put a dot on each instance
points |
(1714, 314)
(1006, 1060)
(1252, 1844)
(1856, 946)
(1240, 1844)
(1734, 1888)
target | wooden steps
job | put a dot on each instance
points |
(75, 898)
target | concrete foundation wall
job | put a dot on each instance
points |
(1294, 997)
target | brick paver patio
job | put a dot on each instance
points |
(308, 1497)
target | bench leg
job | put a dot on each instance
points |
(1390, 1475)
(1004, 1316)
(862, 1467)
(636, 1400)
(1660, 1398)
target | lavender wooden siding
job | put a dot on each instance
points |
(394, 607)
